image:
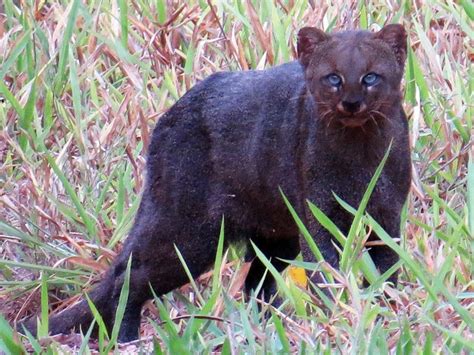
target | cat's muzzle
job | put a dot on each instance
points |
(352, 114)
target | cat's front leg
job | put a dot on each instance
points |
(382, 255)
(326, 244)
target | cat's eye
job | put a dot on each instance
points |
(370, 79)
(334, 80)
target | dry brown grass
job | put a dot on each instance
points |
(78, 109)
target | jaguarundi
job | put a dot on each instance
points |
(316, 126)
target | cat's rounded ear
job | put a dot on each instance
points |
(308, 39)
(396, 37)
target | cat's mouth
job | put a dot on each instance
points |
(353, 121)
(352, 114)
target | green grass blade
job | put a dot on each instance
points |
(366, 264)
(99, 320)
(467, 343)
(364, 22)
(190, 276)
(85, 341)
(190, 55)
(42, 267)
(368, 268)
(100, 201)
(123, 6)
(8, 344)
(409, 262)
(64, 48)
(218, 261)
(452, 214)
(247, 329)
(281, 334)
(7, 94)
(468, 7)
(120, 203)
(33, 342)
(306, 235)
(349, 248)
(15, 53)
(378, 281)
(278, 278)
(161, 9)
(304, 231)
(43, 328)
(324, 221)
(124, 226)
(27, 116)
(88, 222)
(122, 304)
(465, 314)
(76, 94)
(470, 193)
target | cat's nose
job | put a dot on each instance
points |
(351, 106)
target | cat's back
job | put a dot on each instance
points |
(235, 97)
(262, 86)
(223, 128)
(252, 84)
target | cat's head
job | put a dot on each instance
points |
(354, 76)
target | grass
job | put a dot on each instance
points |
(83, 84)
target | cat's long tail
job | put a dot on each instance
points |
(79, 316)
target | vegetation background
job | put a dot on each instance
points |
(83, 83)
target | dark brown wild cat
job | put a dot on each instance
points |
(312, 127)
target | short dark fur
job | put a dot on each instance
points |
(227, 145)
